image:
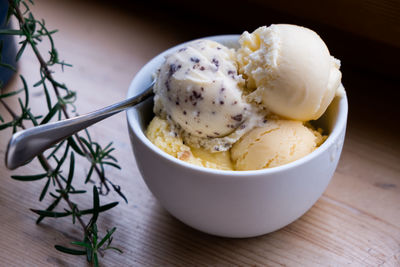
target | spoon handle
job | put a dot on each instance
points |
(27, 144)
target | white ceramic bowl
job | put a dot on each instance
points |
(233, 203)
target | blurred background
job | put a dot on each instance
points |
(364, 35)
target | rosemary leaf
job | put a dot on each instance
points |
(21, 50)
(88, 251)
(52, 214)
(89, 173)
(10, 32)
(11, 93)
(87, 144)
(71, 172)
(45, 188)
(61, 161)
(106, 237)
(81, 244)
(46, 92)
(74, 146)
(29, 178)
(114, 248)
(96, 204)
(58, 146)
(6, 125)
(78, 192)
(101, 208)
(31, 117)
(70, 250)
(25, 90)
(41, 81)
(108, 146)
(111, 164)
(49, 208)
(43, 163)
(112, 158)
(95, 260)
(8, 66)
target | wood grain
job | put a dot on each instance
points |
(356, 222)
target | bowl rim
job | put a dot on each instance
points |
(338, 126)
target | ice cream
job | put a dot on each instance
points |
(247, 109)
(290, 71)
(200, 93)
(276, 143)
(159, 133)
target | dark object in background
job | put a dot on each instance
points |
(8, 51)
(362, 34)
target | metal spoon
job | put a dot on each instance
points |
(27, 144)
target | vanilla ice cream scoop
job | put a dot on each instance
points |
(290, 70)
(276, 143)
(199, 91)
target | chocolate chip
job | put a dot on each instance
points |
(195, 59)
(184, 112)
(216, 62)
(196, 95)
(202, 68)
(182, 49)
(238, 117)
(173, 68)
(216, 133)
(221, 102)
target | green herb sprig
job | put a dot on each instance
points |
(59, 175)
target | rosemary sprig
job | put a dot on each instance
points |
(58, 186)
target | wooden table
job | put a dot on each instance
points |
(356, 222)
